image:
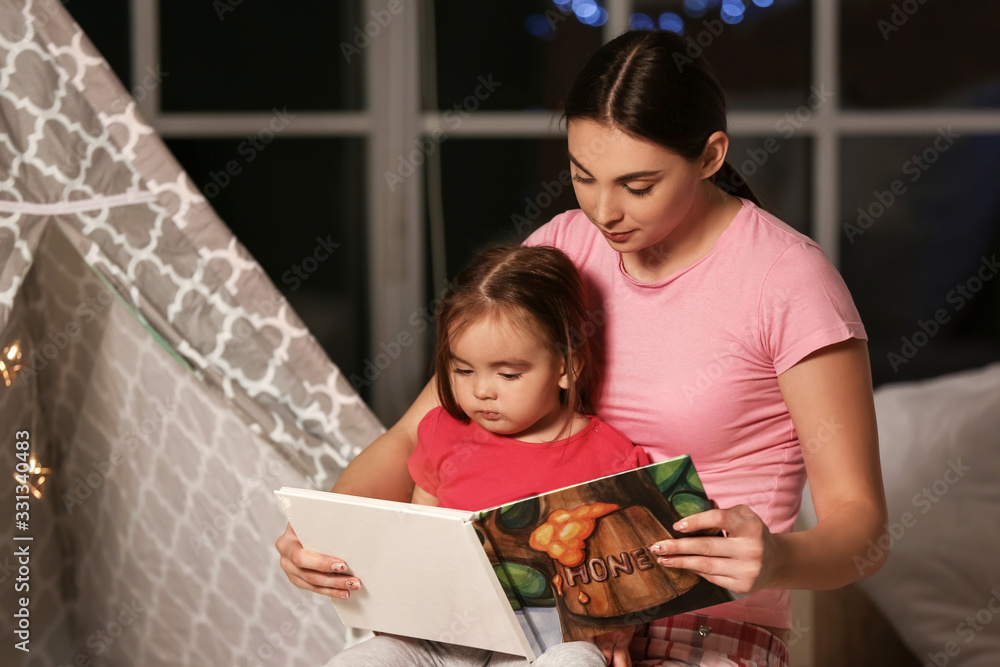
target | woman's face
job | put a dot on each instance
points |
(640, 195)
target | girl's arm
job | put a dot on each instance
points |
(829, 397)
(379, 471)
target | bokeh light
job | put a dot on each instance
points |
(732, 11)
(672, 22)
(640, 22)
(539, 26)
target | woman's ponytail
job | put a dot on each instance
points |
(732, 181)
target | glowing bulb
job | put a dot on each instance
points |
(35, 478)
(763, 3)
(10, 363)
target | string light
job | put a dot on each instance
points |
(35, 477)
(10, 362)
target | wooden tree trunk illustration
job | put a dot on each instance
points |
(594, 554)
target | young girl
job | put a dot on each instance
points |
(515, 379)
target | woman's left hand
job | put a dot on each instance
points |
(744, 561)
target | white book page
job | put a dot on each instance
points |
(423, 571)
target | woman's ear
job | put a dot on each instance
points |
(714, 155)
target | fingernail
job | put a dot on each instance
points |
(344, 595)
(663, 561)
(656, 548)
(681, 525)
(354, 584)
(339, 567)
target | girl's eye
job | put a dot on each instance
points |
(639, 193)
(510, 376)
(462, 371)
(581, 179)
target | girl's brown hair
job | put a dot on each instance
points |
(536, 288)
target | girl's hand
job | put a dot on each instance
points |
(745, 561)
(312, 571)
(614, 646)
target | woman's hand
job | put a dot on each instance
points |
(743, 562)
(312, 571)
(614, 646)
(379, 471)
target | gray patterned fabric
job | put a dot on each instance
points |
(163, 379)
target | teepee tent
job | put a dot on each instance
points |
(154, 388)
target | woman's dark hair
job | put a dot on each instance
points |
(535, 288)
(644, 83)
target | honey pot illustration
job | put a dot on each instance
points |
(593, 576)
(585, 549)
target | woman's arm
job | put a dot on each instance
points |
(829, 397)
(379, 471)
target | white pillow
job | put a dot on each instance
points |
(940, 449)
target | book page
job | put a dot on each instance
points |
(423, 570)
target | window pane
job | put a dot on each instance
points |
(779, 171)
(921, 222)
(494, 40)
(914, 53)
(107, 24)
(257, 56)
(762, 56)
(499, 191)
(285, 202)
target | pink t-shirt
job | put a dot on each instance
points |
(467, 467)
(691, 361)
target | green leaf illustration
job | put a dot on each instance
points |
(519, 515)
(521, 582)
(693, 480)
(667, 474)
(688, 503)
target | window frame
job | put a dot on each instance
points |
(392, 120)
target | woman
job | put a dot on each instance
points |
(728, 336)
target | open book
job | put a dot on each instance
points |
(561, 566)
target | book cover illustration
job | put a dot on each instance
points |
(575, 562)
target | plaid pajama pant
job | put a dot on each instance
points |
(693, 639)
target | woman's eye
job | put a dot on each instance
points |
(581, 179)
(510, 376)
(640, 192)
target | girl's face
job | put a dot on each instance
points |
(641, 196)
(507, 381)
